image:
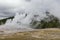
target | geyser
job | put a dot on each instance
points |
(26, 11)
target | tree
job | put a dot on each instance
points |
(3, 21)
(49, 22)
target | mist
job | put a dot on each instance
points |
(24, 11)
(11, 6)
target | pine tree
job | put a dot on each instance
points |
(49, 22)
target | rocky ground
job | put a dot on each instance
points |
(38, 34)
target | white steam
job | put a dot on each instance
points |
(25, 10)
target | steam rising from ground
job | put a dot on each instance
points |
(24, 11)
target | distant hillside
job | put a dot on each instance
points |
(48, 22)
(4, 20)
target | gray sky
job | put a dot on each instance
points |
(8, 7)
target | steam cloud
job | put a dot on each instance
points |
(24, 11)
(8, 7)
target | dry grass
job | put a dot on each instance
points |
(40, 34)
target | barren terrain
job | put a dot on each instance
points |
(38, 34)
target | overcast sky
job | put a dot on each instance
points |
(8, 7)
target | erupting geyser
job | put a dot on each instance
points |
(26, 11)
